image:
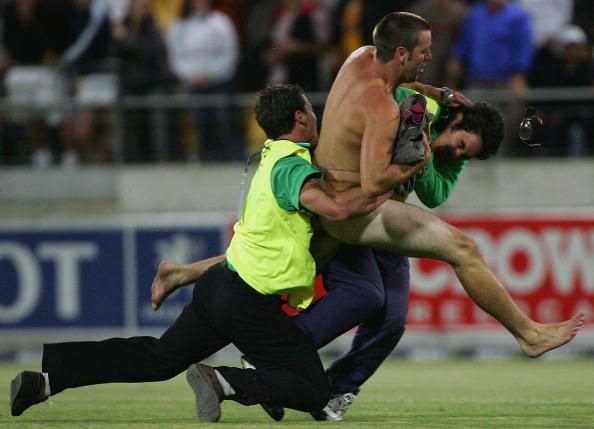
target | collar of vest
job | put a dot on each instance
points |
(302, 144)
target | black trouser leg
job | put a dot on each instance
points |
(289, 371)
(131, 360)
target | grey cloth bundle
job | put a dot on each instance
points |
(409, 149)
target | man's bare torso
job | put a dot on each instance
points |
(338, 151)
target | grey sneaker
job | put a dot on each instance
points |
(409, 148)
(338, 404)
(275, 413)
(26, 389)
(209, 393)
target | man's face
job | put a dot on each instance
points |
(310, 123)
(454, 143)
(414, 66)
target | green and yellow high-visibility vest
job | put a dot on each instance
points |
(270, 246)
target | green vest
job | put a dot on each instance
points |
(270, 246)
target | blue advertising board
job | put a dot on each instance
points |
(179, 245)
(95, 278)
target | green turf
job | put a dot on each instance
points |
(452, 394)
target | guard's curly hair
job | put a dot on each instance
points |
(482, 119)
(276, 106)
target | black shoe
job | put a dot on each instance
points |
(208, 391)
(26, 389)
(276, 413)
(318, 415)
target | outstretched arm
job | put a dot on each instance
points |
(171, 276)
(457, 98)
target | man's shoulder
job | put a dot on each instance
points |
(360, 53)
(376, 97)
(360, 62)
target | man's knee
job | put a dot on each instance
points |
(466, 249)
(372, 298)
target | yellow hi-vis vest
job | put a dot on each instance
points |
(270, 246)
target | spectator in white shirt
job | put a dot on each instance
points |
(549, 17)
(203, 50)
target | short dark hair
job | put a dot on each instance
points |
(482, 119)
(397, 29)
(276, 106)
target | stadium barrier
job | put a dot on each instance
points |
(90, 278)
(570, 108)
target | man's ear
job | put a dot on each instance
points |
(457, 120)
(299, 117)
(401, 54)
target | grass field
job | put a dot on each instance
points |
(450, 394)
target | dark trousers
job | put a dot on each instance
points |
(223, 310)
(365, 287)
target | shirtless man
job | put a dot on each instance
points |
(355, 148)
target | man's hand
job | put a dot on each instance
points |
(459, 99)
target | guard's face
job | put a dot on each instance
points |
(414, 66)
(457, 144)
(310, 123)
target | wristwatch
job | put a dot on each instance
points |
(447, 95)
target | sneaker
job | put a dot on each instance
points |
(337, 405)
(276, 413)
(26, 389)
(409, 148)
(208, 391)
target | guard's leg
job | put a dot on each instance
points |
(408, 230)
(354, 293)
(376, 337)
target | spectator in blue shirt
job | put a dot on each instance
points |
(494, 49)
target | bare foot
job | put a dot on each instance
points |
(551, 335)
(167, 280)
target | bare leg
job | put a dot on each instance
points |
(167, 280)
(411, 231)
(171, 276)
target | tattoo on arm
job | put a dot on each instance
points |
(322, 185)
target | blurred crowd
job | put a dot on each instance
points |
(97, 52)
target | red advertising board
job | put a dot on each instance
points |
(546, 263)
